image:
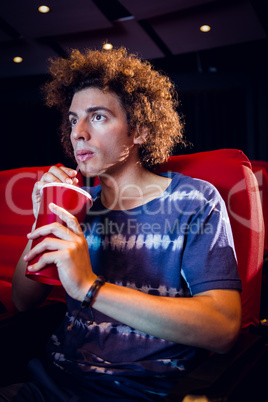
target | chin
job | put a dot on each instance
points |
(88, 171)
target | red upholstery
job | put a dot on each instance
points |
(260, 169)
(16, 220)
(259, 163)
(229, 170)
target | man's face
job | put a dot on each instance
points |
(99, 132)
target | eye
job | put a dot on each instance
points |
(98, 117)
(73, 121)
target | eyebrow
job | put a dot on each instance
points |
(92, 109)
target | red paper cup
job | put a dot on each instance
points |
(74, 200)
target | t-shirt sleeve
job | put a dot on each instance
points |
(209, 258)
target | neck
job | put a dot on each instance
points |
(131, 189)
(126, 188)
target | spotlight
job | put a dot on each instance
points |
(43, 9)
(18, 59)
(107, 46)
(205, 28)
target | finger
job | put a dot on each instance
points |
(38, 187)
(55, 228)
(37, 191)
(48, 244)
(36, 197)
(49, 177)
(62, 174)
(67, 217)
(70, 172)
(48, 258)
(75, 181)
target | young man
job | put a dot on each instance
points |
(155, 255)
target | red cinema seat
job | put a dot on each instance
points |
(229, 170)
(16, 220)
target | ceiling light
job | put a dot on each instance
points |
(107, 46)
(205, 28)
(43, 9)
(18, 59)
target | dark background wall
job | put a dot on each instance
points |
(223, 96)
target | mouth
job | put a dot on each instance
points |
(84, 155)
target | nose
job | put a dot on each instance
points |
(80, 131)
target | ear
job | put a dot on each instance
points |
(140, 136)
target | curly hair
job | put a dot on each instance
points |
(147, 96)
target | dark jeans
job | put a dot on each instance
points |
(58, 387)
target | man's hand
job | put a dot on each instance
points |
(55, 174)
(69, 251)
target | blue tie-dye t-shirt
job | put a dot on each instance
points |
(177, 245)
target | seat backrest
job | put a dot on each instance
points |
(259, 163)
(16, 220)
(260, 169)
(229, 170)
